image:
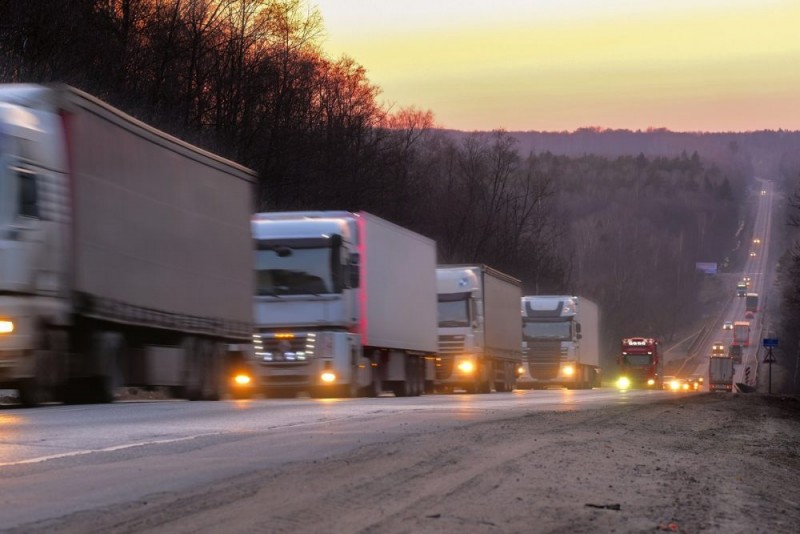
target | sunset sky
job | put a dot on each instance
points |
(686, 65)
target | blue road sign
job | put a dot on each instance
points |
(770, 342)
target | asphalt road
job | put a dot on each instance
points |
(59, 460)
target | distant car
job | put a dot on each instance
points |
(746, 281)
(763, 192)
(677, 384)
(694, 382)
(756, 241)
(727, 325)
(718, 348)
(749, 314)
(667, 383)
(753, 254)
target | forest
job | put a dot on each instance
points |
(618, 217)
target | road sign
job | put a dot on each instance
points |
(770, 342)
(769, 358)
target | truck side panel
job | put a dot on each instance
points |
(398, 287)
(502, 327)
(159, 225)
(589, 317)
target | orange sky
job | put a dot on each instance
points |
(686, 65)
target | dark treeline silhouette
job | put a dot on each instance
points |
(248, 79)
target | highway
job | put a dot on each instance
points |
(758, 269)
(58, 460)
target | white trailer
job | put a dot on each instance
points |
(720, 373)
(560, 342)
(125, 253)
(345, 305)
(479, 334)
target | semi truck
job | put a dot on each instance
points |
(560, 342)
(125, 254)
(345, 305)
(751, 302)
(741, 333)
(479, 334)
(720, 373)
(640, 364)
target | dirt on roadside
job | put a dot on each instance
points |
(701, 463)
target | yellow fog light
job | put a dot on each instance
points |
(328, 377)
(6, 327)
(651, 382)
(568, 370)
(466, 367)
(623, 382)
(241, 379)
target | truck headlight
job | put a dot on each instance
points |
(242, 379)
(651, 382)
(674, 385)
(623, 382)
(328, 377)
(6, 326)
(466, 367)
(568, 370)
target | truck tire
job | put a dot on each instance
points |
(105, 353)
(50, 380)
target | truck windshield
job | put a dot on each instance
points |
(638, 360)
(454, 312)
(560, 330)
(293, 271)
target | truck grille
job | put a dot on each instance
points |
(284, 349)
(544, 358)
(444, 366)
(451, 345)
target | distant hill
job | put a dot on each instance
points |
(766, 154)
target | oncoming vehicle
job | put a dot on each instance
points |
(753, 254)
(727, 325)
(668, 381)
(640, 364)
(695, 382)
(718, 348)
(756, 241)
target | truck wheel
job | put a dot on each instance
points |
(376, 384)
(49, 382)
(106, 354)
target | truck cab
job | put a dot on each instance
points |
(305, 304)
(560, 342)
(640, 364)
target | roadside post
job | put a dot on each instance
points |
(769, 343)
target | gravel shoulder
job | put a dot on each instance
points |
(709, 462)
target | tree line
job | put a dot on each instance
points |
(249, 79)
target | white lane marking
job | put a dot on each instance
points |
(124, 446)
(106, 449)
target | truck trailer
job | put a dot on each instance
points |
(345, 305)
(125, 253)
(560, 342)
(720, 373)
(479, 334)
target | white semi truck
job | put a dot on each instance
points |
(125, 253)
(560, 342)
(479, 334)
(345, 305)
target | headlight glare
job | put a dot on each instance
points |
(6, 326)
